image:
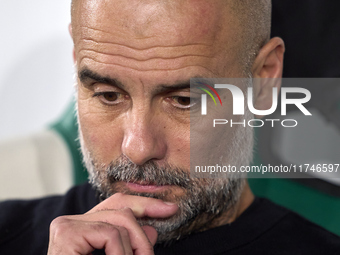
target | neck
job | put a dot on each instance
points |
(207, 221)
(245, 200)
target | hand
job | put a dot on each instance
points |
(111, 225)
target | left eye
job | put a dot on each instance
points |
(183, 102)
(109, 97)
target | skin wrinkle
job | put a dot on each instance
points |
(148, 56)
(127, 37)
(157, 60)
(150, 51)
(106, 32)
(149, 70)
(161, 66)
(142, 59)
(147, 48)
(157, 63)
(145, 58)
(137, 48)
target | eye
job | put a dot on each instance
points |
(183, 102)
(109, 97)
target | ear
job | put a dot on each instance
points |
(73, 52)
(268, 64)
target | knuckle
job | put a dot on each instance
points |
(114, 232)
(127, 211)
(59, 222)
(110, 230)
(125, 215)
(59, 226)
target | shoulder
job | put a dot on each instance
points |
(27, 221)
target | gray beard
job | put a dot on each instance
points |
(204, 199)
(202, 202)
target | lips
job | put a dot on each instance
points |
(144, 183)
(145, 186)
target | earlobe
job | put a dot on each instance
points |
(268, 67)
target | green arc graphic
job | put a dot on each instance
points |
(209, 94)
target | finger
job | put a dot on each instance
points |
(69, 236)
(151, 233)
(125, 218)
(124, 233)
(108, 237)
(141, 206)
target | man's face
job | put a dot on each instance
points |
(134, 62)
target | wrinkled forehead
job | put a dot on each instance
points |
(170, 22)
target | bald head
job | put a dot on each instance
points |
(254, 17)
(251, 20)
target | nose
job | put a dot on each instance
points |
(144, 138)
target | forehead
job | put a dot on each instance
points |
(144, 30)
(155, 18)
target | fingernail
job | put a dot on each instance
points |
(169, 203)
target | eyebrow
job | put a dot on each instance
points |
(175, 87)
(87, 76)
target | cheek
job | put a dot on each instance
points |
(178, 142)
(102, 136)
(209, 144)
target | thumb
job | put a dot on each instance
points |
(151, 233)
